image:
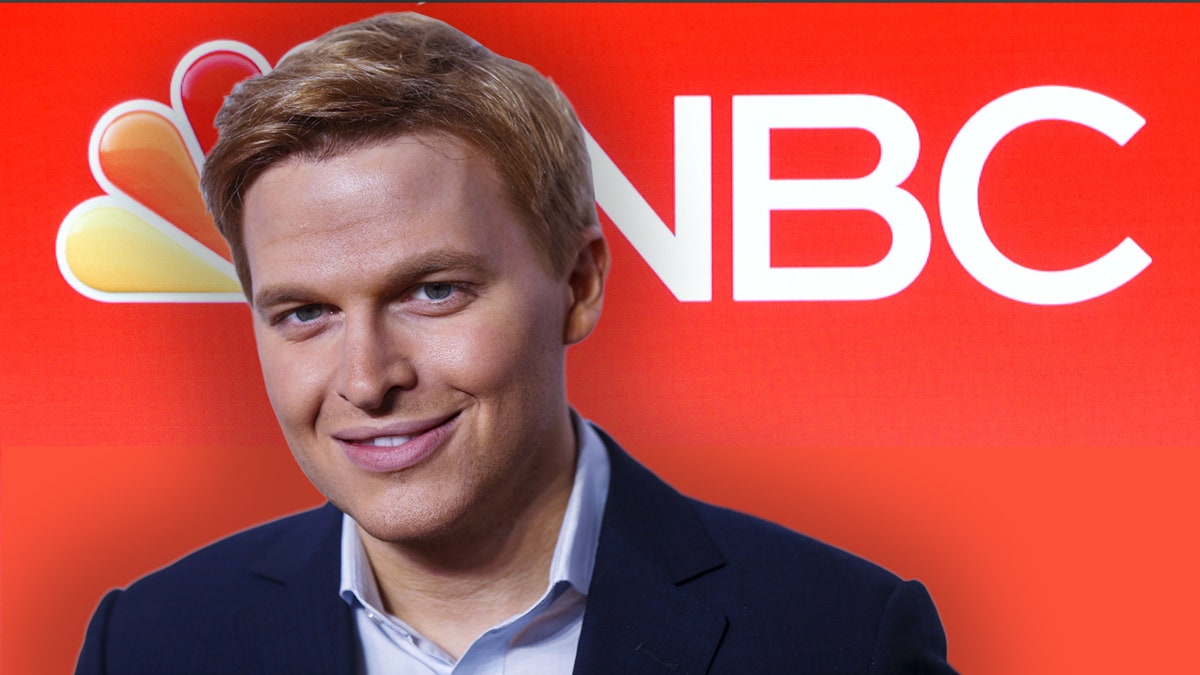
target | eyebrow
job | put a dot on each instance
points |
(407, 273)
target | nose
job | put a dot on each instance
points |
(375, 365)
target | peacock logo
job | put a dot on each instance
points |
(149, 238)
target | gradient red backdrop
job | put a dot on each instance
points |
(1034, 465)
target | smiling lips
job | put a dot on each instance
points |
(395, 447)
(390, 441)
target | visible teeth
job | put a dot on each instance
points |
(390, 441)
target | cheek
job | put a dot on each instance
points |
(499, 353)
(294, 386)
(470, 358)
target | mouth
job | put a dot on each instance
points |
(393, 434)
(395, 447)
(389, 441)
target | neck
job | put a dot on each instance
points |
(453, 587)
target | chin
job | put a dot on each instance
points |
(406, 521)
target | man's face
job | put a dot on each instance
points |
(412, 341)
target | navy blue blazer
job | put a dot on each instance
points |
(678, 587)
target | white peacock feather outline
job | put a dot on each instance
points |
(125, 204)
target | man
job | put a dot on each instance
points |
(413, 222)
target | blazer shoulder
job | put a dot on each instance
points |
(728, 592)
(746, 539)
(228, 562)
(686, 538)
(215, 608)
(853, 614)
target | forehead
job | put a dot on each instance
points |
(405, 175)
(422, 166)
(378, 204)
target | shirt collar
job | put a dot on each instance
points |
(574, 552)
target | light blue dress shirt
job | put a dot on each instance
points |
(541, 640)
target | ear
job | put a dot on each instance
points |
(586, 284)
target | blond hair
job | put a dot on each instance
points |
(396, 74)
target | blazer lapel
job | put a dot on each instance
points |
(295, 621)
(639, 618)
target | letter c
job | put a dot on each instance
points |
(959, 196)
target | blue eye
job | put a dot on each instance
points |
(437, 290)
(308, 313)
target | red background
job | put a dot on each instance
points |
(1034, 466)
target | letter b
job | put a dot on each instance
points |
(755, 195)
